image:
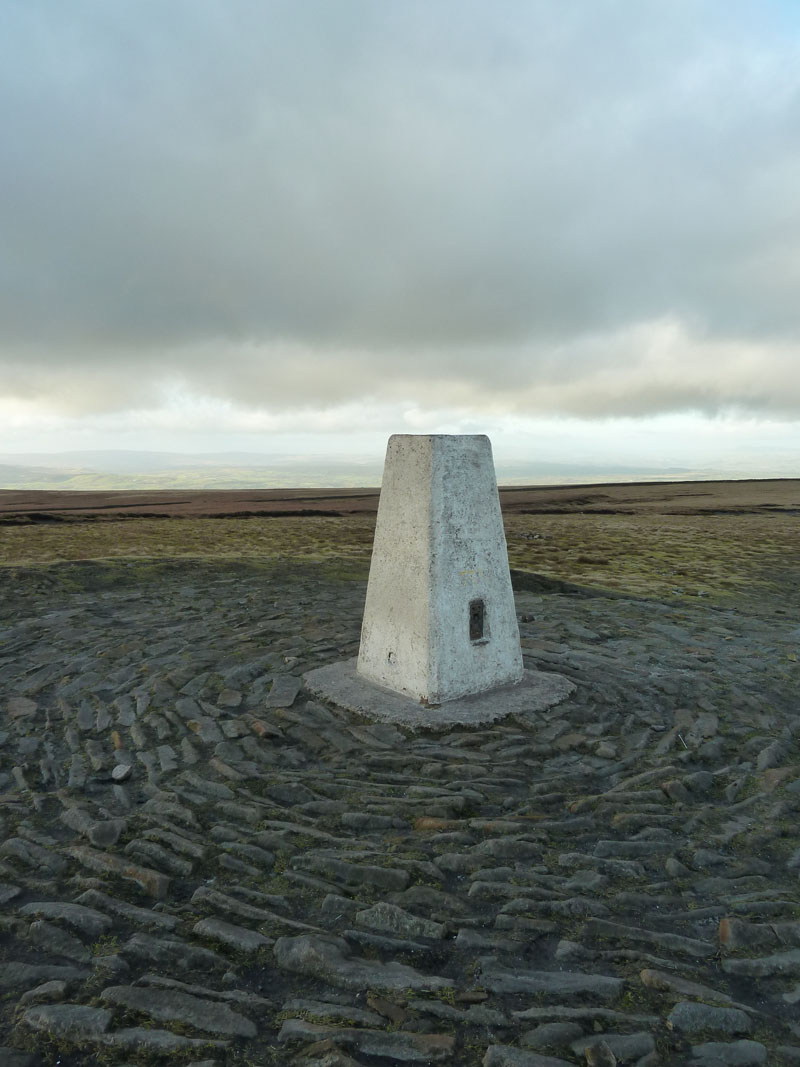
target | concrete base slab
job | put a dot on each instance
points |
(340, 684)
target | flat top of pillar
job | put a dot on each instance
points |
(434, 436)
(439, 437)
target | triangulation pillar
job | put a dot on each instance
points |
(439, 637)
(439, 620)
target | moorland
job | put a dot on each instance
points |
(200, 863)
(666, 539)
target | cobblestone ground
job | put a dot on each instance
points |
(200, 864)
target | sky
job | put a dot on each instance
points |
(302, 225)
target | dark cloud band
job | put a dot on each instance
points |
(354, 198)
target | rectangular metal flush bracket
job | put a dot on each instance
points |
(477, 611)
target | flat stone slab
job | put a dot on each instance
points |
(340, 684)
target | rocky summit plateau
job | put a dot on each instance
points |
(201, 863)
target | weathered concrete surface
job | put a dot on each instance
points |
(341, 684)
(439, 619)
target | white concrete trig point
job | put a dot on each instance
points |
(439, 639)
(439, 620)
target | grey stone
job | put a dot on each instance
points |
(206, 729)
(47, 992)
(229, 904)
(739, 933)
(730, 1054)
(155, 1041)
(89, 921)
(764, 966)
(107, 832)
(699, 782)
(676, 869)
(324, 1009)
(283, 693)
(549, 983)
(335, 907)
(613, 867)
(400, 1046)
(252, 853)
(476, 941)
(214, 789)
(548, 1035)
(238, 996)
(598, 1053)
(675, 984)
(15, 975)
(155, 883)
(189, 753)
(771, 756)
(33, 856)
(354, 874)
(77, 818)
(8, 892)
(625, 1048)
(628, 849)
(74, 1021)
(177, 842)
(360, 820)
(132, 912)
(161, 858)
(58, 942)
(691, 1017)
(19, 707)
(394, 920)
(391, 946)
(111, 967)
(168, 1005)
(172, 951)
(508, 848)
(171, 810)
(508, 1056)
(329, 959)
(474, 1015)
(167, 758)
(238, 937)
(85, 717)
(229, 698)
(289, 793)
(685, 946)
(586, 881)
(77, 773)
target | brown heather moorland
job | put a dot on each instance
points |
(674, 539)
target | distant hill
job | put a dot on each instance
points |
(117, 470)
(166, 470)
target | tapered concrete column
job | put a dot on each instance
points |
(439, 620)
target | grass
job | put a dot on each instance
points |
(293, 538)
(664, 556)
(717, 557)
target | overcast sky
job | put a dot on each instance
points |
(312, 223)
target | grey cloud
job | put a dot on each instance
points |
(324, 200)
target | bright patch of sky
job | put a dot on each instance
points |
(683, 444)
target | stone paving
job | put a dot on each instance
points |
(201, 864)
